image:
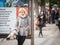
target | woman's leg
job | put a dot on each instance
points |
(40, 31)
(59, 25)
(59, 28)
(18, 39)
(21, 40)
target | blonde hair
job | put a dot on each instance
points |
(21, 10)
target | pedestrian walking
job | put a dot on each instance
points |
(22, 26)
(40, 18)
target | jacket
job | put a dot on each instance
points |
(23, 23)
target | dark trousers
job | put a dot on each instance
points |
(40, 32)
(59, 25)
(53, 20)
(59, 28)
(21, 39)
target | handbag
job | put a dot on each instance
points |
(36, 22)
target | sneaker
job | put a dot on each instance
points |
(7, 38)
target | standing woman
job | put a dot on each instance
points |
(53, 15)
(57, 16)
(22, 26)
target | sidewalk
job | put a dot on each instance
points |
(49, 34)
(14, 42)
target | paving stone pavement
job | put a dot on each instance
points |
(51, 36)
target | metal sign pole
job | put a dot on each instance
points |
(32, 22)
(31, 2)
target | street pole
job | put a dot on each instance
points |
(32, 22)
(31, 13)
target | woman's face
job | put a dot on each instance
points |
(22, 13)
